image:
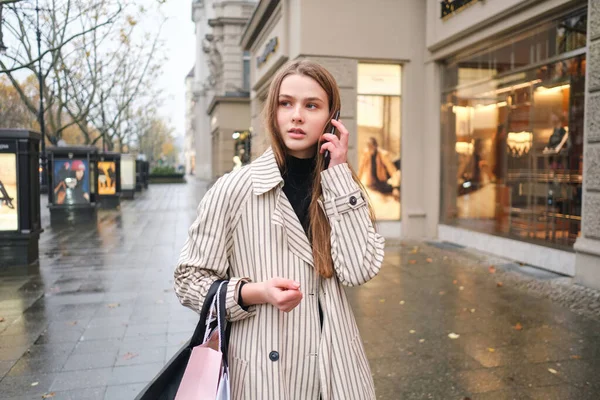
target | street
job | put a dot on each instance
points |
(99, 318)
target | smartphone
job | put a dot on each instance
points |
(336, 116)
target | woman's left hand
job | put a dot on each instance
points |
(338, 147)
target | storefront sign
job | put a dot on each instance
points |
(270, 48)
(451, 6)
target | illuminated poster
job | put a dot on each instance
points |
(71, 181)
(127, 173)
(9, 217)
(107, 178)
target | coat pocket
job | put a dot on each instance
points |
(362, 369)
(238, 369)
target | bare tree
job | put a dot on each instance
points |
(98, 64)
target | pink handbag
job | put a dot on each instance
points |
(206, 374)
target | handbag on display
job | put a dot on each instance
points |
(199, 370)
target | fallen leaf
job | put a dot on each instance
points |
(421, 340)
(429, 260)
(415, 250)
(382, 300)
(492, 269)
(455, 282)
(412, 331)
(491, 350)
(518, 326)
(453, 336)
(576, 357)
(412, 261)
(129, 356)
(113, 305)
(553, 371)
(402, 302)
(499, 284)
(461, 288)
(35, 383)
(48, 395)
(472, 310)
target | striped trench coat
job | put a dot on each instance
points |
(246, 229)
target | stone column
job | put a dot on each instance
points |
(587, 266)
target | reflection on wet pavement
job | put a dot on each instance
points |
(98, 318)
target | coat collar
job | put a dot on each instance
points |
(265, 177)
(265, 173)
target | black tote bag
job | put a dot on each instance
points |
(165, 384)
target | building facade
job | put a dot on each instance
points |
(484, 114)
(222, 113)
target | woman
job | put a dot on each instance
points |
(287, 234)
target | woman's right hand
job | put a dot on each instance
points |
(283, 294)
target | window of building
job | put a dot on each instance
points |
(512, 135)
(246, 72)
(379, 138)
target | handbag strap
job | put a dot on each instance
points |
(222, 324)
(200, 330)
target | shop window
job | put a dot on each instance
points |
(379, 136)
(512, 151)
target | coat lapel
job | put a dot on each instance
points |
(266, 177)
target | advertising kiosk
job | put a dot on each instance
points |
(72, 184)
(20, 222)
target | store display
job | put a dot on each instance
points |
(513, 144)
(379, 139)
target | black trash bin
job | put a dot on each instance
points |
(145, 173)
(20, 221)
(139, 174)
(72, 184)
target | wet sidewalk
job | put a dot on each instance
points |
(99, 318)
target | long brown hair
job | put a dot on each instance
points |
(320, 230)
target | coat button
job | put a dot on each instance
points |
(353, 200)
(273, 356)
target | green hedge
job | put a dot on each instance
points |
(163, 170)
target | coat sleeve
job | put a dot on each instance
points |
(205, 255)
(356, 249)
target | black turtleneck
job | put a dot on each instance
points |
(298, 178)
